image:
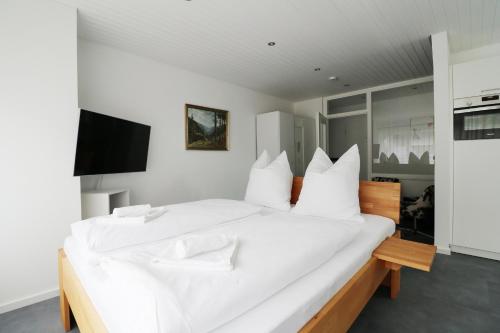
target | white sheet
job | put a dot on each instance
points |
(274, 251)
(286, 311)
(291, 308)
(178, 219)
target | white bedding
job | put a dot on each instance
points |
(285, 311)
(273, 251)
(181, 218)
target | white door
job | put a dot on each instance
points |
(322, 131)
(299, 150)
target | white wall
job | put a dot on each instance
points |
(443, 131)
(308, 108)
(38, 123)
(120, 84)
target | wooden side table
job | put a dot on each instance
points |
(397, 252)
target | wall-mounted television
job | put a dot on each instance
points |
(110, 145)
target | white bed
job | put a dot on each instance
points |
(286, 311)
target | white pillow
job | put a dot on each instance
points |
(331, 190)
(270, 184)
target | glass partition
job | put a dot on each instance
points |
(403, 130)
(343, 134)
(346, 104)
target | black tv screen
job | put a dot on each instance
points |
(110, 145)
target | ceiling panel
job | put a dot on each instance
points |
(362, 42)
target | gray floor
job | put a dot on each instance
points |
(461, 294)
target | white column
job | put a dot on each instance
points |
(443, 122)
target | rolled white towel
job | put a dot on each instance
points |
(198, 244)
(112, 220)
(152, 214)
(221, 259)
(132, 211)
(155, 213)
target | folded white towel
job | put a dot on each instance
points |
(217, 260)
(132, 211)
(152, 214)
(198, 244)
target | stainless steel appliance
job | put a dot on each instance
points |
(477, 118)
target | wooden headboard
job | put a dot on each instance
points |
(379, 198)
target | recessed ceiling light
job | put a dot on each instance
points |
(317, 69)
(332, 78)
(347, 85)
(271, 43)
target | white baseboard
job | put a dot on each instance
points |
(443, 250)
(475, 252)
(25, 301)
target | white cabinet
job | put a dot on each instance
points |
(305, 143)
(476, 78)
(275, 133)
(476, 217)
(278, 131)
(102, 202)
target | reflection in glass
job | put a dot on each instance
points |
(403, 130)
(481, 122)
(346, 104)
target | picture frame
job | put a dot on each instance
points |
(206, 128)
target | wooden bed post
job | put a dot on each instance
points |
(395, 278)
(395, 283)
(74, 302)
(63, 300)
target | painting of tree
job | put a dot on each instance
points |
(206, 128)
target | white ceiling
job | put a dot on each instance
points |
(363, 42)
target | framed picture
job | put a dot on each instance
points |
(206, 128)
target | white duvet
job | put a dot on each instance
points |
(95, 237)
(274, 251)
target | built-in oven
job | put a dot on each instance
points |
(476, 118)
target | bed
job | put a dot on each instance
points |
(331, 308)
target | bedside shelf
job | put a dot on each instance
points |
(406, 253)
(102, 202)
(396, 252)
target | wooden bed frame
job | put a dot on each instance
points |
(336, 316)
